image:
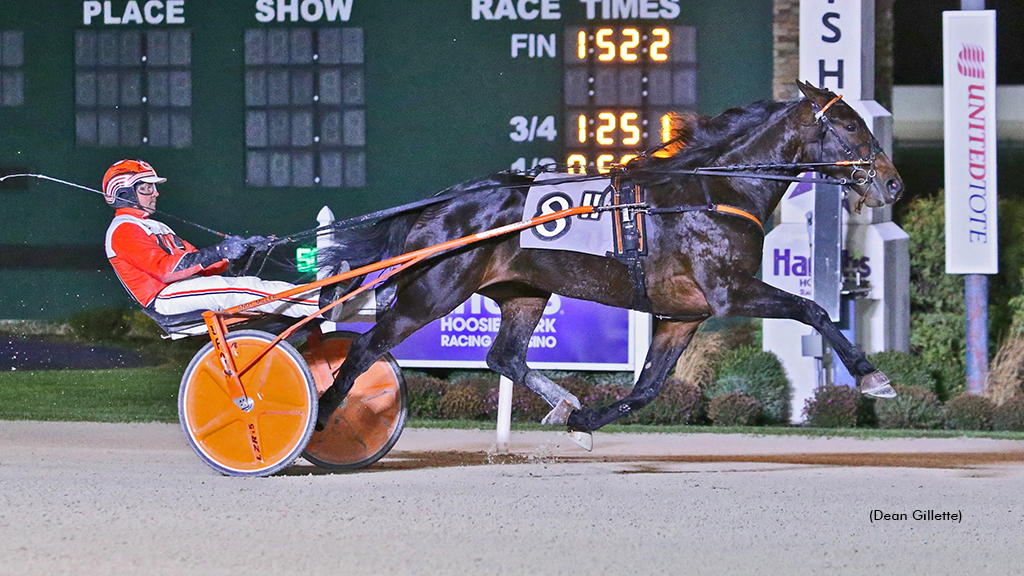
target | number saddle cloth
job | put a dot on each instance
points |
(614, 233)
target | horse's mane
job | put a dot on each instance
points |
(700, 140)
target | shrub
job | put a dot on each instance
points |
(734, 409)
(604, 395)
(679, 402)
(940, 339)
(576, 386)
(463, 401)
(1009, 416)
(905, 369)
(1006, 371)
(527, 406)
(969, 412)
(101, 324)
(913, 407)
(759, 374)
(832, 407)
(425, 393)
(866, 417)
(697, 364)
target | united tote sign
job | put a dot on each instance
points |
(969, 60)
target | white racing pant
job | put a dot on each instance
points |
(222, 292)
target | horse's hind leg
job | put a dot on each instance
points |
(507, 356)
(670, 339)
(416, 305)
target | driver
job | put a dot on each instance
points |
(167, 275)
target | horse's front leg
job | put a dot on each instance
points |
(668, 343)
(756, 299)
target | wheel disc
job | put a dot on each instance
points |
(269, 436)
(371, 419)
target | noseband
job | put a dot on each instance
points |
(859, 164)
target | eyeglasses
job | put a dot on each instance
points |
(146, 189)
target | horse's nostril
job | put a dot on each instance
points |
(895, 188)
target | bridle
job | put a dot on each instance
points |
(862, 164)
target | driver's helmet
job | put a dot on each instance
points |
(120, 180)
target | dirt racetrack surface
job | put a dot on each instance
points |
(82, 498)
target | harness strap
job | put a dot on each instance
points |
(821, 112)
(726, 209)
(720, 208)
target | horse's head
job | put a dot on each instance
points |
(840, 135)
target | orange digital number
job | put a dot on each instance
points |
(608, 125)
(608, 47)
(633, 40)
(660, 44)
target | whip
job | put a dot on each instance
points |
(93, 190)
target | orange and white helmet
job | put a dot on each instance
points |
(126, 174)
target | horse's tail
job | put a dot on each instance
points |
(386, 238)
(367, 244)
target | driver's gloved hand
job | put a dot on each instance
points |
(232, 247)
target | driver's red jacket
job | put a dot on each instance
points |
(147, 255)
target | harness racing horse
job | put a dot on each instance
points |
(700, 262)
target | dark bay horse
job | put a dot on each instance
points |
(700, 263)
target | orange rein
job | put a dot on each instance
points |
(403, 262)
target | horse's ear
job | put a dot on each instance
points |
(818, 96)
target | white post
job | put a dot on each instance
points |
(504, 414)
(641, 341)
(325, 238)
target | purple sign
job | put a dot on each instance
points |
(572, 334)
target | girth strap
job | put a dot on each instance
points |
(630, 239)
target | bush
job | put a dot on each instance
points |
(527, 406)
(604, 395)
(969, 412)
(578, 387)
(679, 402)
(832, 407)
(425, 393)
(913, 407)
(463, 401)
(940, 340)
(698, 361)
(1009, 416)
(1006, 371)
(101, 324)
(905, 369)
(734, 409)
(758, 374)
(866, 417)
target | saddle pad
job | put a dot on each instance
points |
(587, 233)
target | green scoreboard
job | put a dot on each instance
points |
(260, 112)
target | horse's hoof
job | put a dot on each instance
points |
(585, 440)
(559, 415)
(876, 385)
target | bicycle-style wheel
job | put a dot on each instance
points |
(272, 433)
(372, 417)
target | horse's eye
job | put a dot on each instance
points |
(851, 127)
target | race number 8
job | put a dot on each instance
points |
(554, 202)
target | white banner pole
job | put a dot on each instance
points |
(504, 415)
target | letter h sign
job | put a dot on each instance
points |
(837, 46)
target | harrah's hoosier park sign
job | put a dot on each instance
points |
(969, 49)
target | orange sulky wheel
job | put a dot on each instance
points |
(372, 417)
(272, 433)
